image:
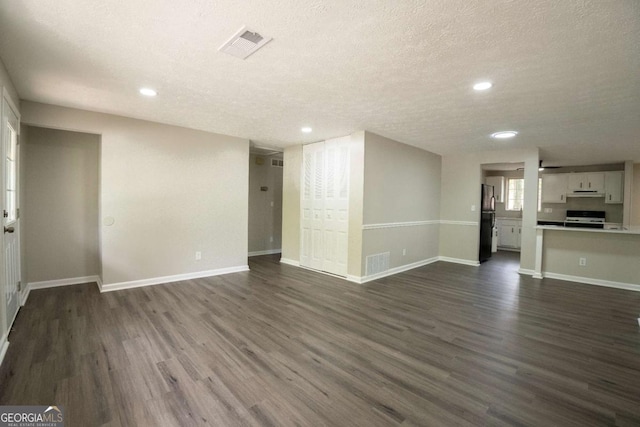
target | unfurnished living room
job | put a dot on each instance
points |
(308, 213)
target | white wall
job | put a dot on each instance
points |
(61, 204)
(265, 220)
(401, 186)
(171, 192)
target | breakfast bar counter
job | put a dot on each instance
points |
(600, 256)
(629, 230)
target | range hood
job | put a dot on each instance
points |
(585, 193)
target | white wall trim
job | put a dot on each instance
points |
(400, 224)
(169, 279)
(25, 295)
(6, 95)
(527, 272)
(290, 262)
(63, 282)
(459, 261)
(469, 223)
(4, 346)
(391, 271)
(592, 281)
(266, 252)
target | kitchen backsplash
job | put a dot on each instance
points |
(501, 212)
(613, 212)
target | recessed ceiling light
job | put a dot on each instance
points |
(504, 134)
(482, 86)
(306, 129)
(148, 91)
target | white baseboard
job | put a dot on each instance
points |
(168, 279)
(391, 271)
(459, 261)
(4, 346)
(592, 281)
(63, 282)
(267, 252)
(25, 295)
(290, 262)
(527, 272)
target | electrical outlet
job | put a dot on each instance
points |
(582, 262)
(271, 204)
(404, 252)
(198, 256)
(548, 210)
(473, 208)
(271, 239)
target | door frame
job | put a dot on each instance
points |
(6, 96)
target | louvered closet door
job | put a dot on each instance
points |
(312, 201)
(324, 206)
(336, 206)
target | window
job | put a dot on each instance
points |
(515, 193)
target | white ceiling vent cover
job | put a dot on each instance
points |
(244, 43)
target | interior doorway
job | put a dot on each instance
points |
(507, 182)
(266, 166)
(62, 207)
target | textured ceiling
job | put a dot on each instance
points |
(566, 73)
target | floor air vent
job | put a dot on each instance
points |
(377, 263)
(244, 43)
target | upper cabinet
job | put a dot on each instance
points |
(614, 187)
(554, 188)
(589, 181)
(498, 187)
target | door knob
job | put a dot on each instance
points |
(9, 230)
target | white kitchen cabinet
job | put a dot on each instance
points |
(614, 187)
(554, 188)
(498, 187)
(509, 233)
(587, 181)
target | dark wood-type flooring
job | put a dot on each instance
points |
(444, 344)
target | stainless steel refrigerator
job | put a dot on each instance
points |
(487, 221)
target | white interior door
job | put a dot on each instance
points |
(312, 203)
(324, 206)
(11, 220)
(336, 206)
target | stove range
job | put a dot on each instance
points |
(585, 219)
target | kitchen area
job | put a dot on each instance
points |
(588, 196)
(507, 178)
(585, 230)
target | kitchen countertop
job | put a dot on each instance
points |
(631, 230)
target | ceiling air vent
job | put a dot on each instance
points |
(244, 43)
